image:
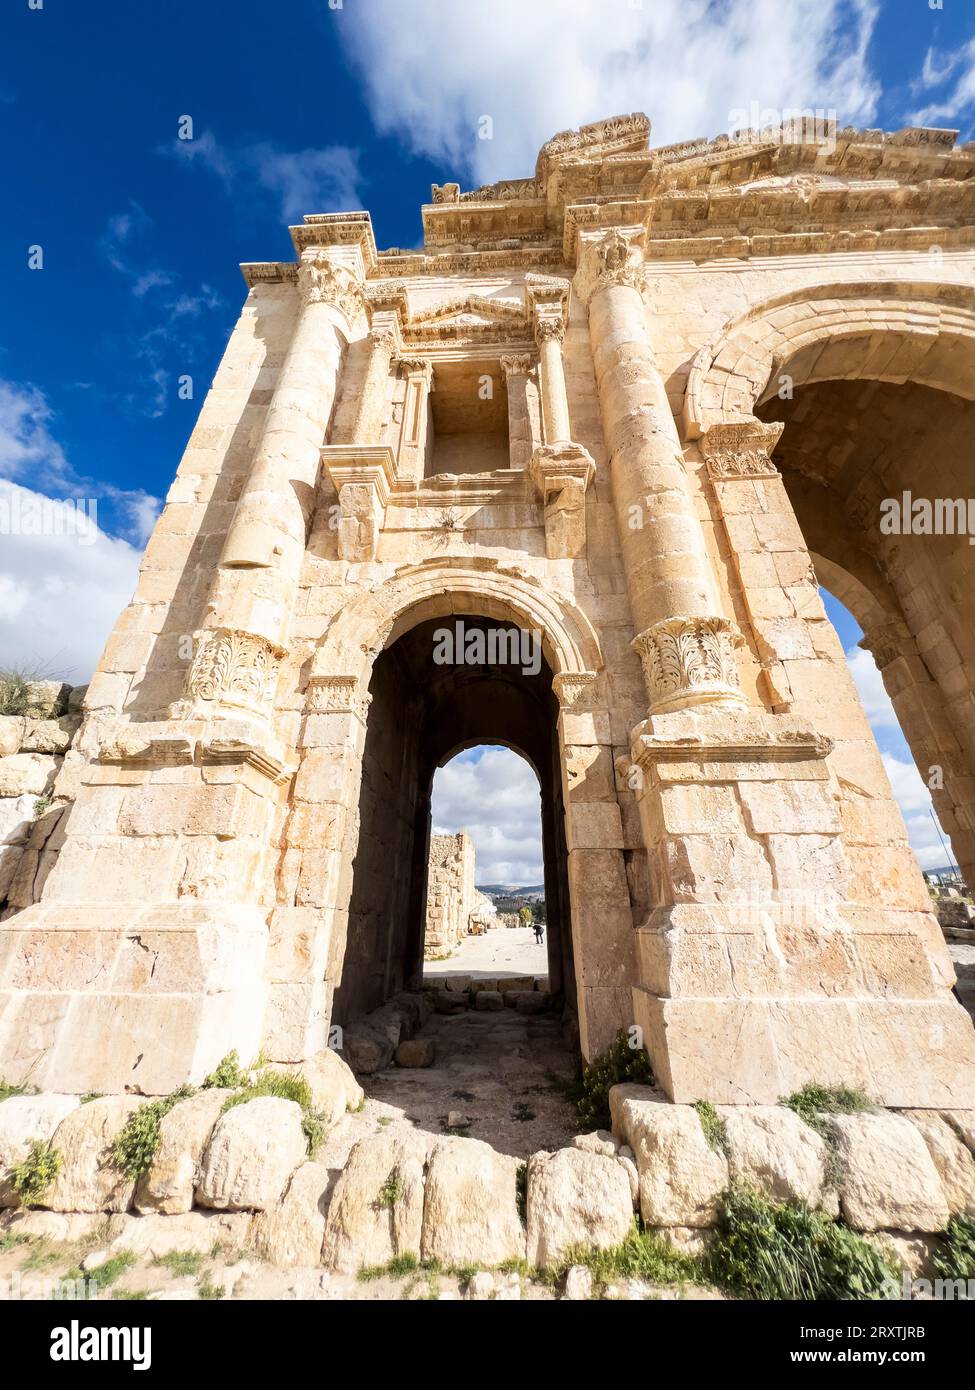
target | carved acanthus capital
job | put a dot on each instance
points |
(320, 281)
(235, 669)
(615, 259)
(418, 367)
(741, 450)
(549, 327)
(520, 365)
(445, 192)
(688, 661)
(382, 341)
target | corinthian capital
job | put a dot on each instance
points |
(741, 449)
(690, 661)
(616, 258)
(320, 281)
(549, 327)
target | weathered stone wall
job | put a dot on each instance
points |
(451, 895)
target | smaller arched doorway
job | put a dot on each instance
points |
(442, 686)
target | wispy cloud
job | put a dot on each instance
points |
(432, 72)
(32, 457)
(956, 103)
(310, 180)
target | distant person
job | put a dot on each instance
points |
(539, 933)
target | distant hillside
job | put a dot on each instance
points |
(509, 890)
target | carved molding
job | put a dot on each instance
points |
(689, 661)
(337, 695)
(236, 669)
(549, 326)
(741, 450)
(576, 690)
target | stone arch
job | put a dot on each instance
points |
(377, 617)
(916, 330)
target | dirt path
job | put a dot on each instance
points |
(503, 951)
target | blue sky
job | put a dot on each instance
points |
(311, 106)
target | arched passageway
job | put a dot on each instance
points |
(422, 711)
(877, 474)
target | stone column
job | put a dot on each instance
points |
(686, 646)
(242, 641)
(517, 374)
(372, 398)
(548, 297)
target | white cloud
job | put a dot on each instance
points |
(496, 800)
(309, 180)
(870, 684)
(30, 454)
(937, 68)
(60, 590)
(431, 71)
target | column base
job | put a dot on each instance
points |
(901, 1053)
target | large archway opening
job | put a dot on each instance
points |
(874, 471)
(443, 686)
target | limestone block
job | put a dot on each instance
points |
(334, 1089)
(252, 1153)
(153, 1236)
(578, 1284)
(951, 1157)
(770, 1149)
(60, 1227)
(23, 774)
(681, 1176)
(376, 1210)
(575, 1198)
(888, 1179)
(292, 1232)
(88, 1180)
(183, 1137)
(487, 1000)
(963, 1123)
(601, 1141)
(47, 699)
(417, 1052)
(12, 727)
(530, 1001)
(470, 1211)
(50, 735)
(22, 1120)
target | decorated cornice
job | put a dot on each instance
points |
(804, 188)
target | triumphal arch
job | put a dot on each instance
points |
(639, 406)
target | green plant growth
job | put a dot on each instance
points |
(396, 1268)
(14, 692)
(715, 1131)
(642, 1255)
(521, 1191)
(208, 1290)
(10, 1088)
(103, 1275)
(227, 1075)
(135, 1146)
(621, 1062)
(391, 1192)
(814, 1103)
(181, 1262)
(285, 1086)
(771, 1250)
(956, 1258)
(32, 1177)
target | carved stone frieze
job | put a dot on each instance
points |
(741, 450)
